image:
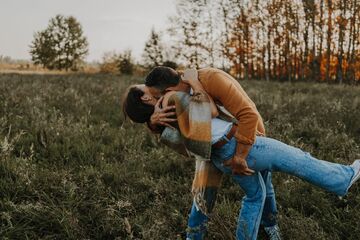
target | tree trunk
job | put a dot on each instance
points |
(268, 70)
(321, 22)
(313, 60)
(342, 26)
(355, 39)
(328, 40)
(304, 61)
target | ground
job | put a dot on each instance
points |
(72, 168)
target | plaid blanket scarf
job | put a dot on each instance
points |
(193, 138)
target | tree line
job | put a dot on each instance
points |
(271, 39)
(283, 40)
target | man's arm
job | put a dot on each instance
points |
(223, 88)
(190, 77)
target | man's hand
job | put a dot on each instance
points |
(161, 115)
(189, 76)
(239, 166)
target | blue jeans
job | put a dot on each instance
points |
(259, 205)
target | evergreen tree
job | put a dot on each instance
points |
(126, 65)
(153, 51)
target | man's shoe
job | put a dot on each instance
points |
(356, 167)
(273, 232)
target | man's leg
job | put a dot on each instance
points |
(269, 215)
(251, 207)
(198, 221)
(197, 224)
(252, 204)
(270, 211)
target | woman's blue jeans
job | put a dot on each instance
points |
(259, 205)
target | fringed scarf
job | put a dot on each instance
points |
(193, 138)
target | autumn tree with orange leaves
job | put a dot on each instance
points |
(302, 40)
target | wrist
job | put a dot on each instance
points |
(194, 84)
(238, 158)
(154, 128)
(242, 150)
(151, 125)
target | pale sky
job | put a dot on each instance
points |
(108, 24)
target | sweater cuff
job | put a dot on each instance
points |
(243, 150)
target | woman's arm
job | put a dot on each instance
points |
(191, 77)
(214, 110)
(165, 101)
(197, 87)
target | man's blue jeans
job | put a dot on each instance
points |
(259, 205)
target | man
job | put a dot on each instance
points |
(227, 93)
(197, 132)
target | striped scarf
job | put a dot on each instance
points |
(193, 138)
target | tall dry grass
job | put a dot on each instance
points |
(71, 168)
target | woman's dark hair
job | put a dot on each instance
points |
(162, 77)
(134, 107)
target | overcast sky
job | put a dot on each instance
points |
(108, 24)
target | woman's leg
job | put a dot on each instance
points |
(270, 154)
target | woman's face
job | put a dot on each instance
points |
(148, 96)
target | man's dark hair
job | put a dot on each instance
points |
(162, 77)
(134, 107)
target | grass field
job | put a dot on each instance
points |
(71, 168)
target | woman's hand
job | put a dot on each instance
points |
(161, 116)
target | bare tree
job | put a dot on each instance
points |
(271, 39)
(328, 39)
(342, 22)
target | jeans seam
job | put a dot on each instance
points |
(263, 187)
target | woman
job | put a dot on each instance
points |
(266, 155)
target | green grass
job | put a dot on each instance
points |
(71, 168)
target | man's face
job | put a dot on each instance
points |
(156, 93)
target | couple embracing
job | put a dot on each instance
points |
(206, 114)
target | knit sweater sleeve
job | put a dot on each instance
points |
(227, 91)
